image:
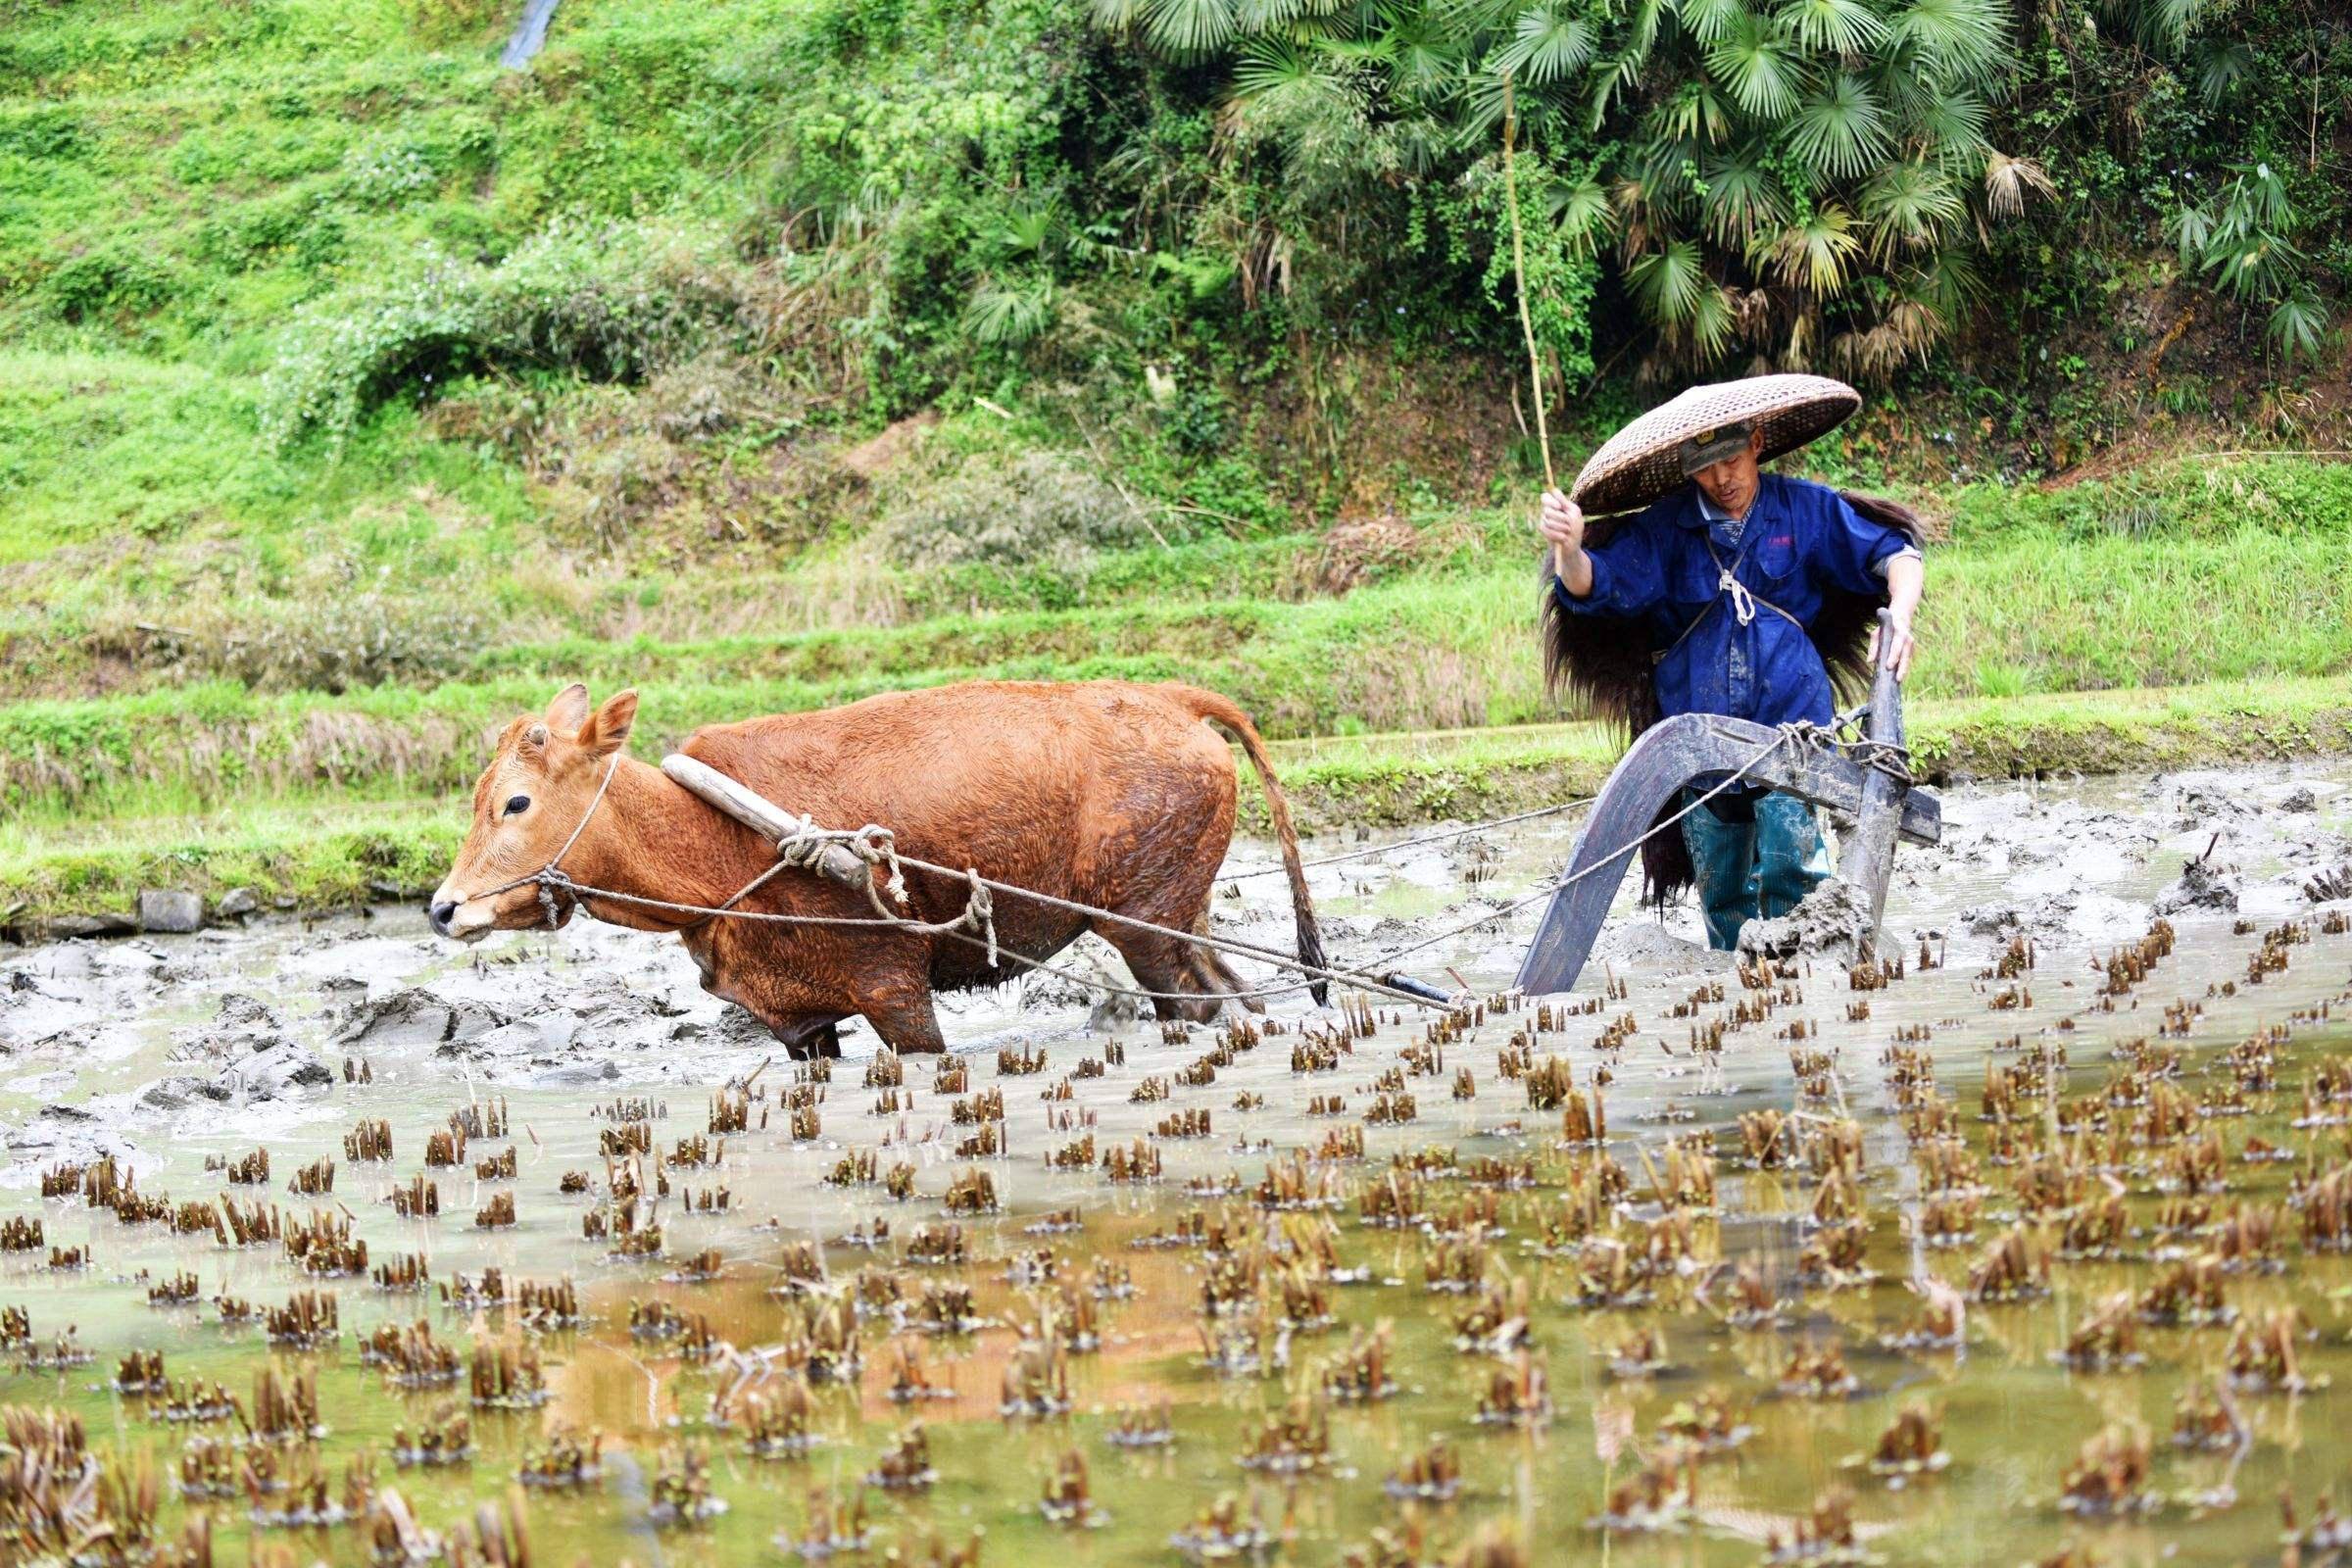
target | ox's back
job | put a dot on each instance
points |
(1021, 778)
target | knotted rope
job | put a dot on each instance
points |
(1744, 603)
(805, 848)
(1890, 758)
(875, 845)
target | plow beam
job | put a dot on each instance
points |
(1666, 759)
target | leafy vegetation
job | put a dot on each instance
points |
(1801, 184)
(597, 301)
(2244, 236)
(1804, 183)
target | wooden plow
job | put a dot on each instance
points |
(1868, 781)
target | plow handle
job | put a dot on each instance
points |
(1868, 857)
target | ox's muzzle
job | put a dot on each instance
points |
(459, 918)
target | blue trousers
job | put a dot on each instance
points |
(1755, 856)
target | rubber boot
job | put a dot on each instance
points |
(1791, 859)
(1724, 853)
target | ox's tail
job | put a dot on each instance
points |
(1223, 712)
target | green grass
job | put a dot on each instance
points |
(1447, 646)
(314, 848)
(316, 854)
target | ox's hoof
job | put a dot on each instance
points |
(807, 1042)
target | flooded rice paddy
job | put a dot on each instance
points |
(2034, 1243)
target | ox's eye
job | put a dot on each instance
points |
(518, 805)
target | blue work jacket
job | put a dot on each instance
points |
(1799, 538)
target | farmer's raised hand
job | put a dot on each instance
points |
(1906, 581)
(1561, 523)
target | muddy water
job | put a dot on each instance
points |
(169, 1054)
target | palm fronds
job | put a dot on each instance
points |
(1547, 44)
(1814, 253)
(1759, 64)
(1008, 314)
(1838, 131)
(1834, 26)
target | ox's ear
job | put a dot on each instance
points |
(570, 711)
(607, 731)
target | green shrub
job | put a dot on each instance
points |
(301, 224)
(110, 280)
(387, 172)
(1039, 508)
(608, 302)
(46, 132)
(443, 21)
(333, 644)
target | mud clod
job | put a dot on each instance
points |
(2203, 884)
(1826, 923)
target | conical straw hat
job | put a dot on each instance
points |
(1644, 461)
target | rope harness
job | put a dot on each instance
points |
(1744, 603)
(1745, 599)
(1443, 835)
(1890, 758)
(548, 876)
(802, 849)
(876, 849)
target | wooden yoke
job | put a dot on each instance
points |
(765, 817)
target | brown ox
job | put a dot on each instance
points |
(1107, 794)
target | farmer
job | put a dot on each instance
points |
(1732, 592)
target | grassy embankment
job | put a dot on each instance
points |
(2231, 573)
(317, 849)
(2215, 626)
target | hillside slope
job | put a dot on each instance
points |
(355, 390)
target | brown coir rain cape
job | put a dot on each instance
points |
(1602, 663)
